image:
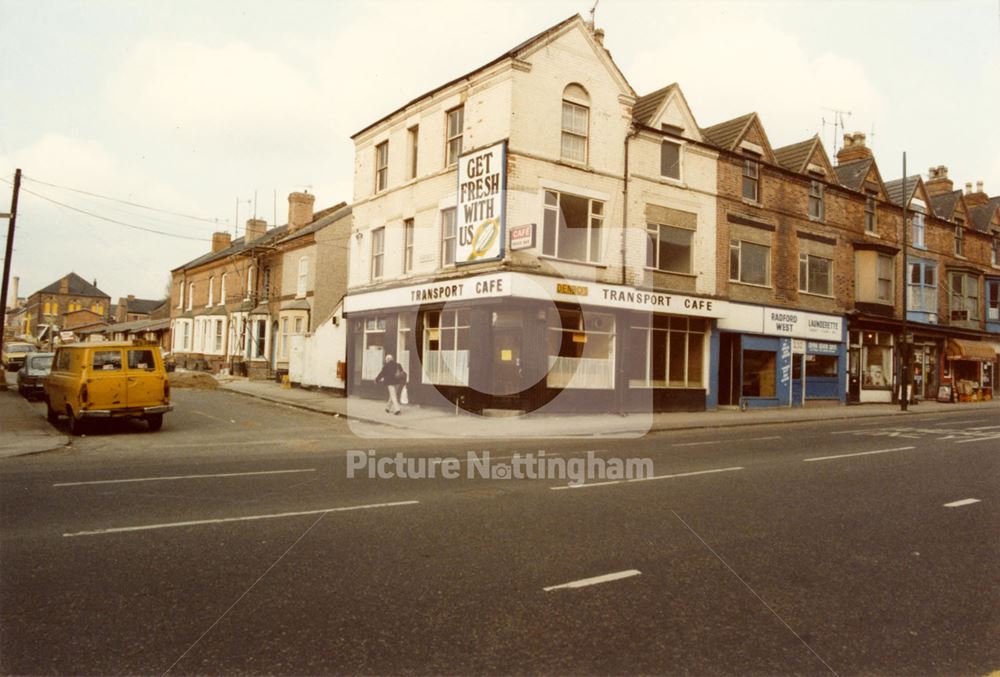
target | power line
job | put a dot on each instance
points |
(115, 221)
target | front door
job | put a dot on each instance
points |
(507, 373)
(798, 379)
(854, 375)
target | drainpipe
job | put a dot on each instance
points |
(621, 385)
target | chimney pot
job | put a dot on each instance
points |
(979, 186)
(854, 148)
(221, 240)
(968, 187)
(300, 210)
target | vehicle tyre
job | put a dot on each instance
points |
(155, 422)
(77, 426)
(51, 414)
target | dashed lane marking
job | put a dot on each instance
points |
(584, 582)
(959, 504)
(168, 478)
(859, 453)
(643, 479)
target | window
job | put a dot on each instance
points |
(964, 297)
(404, 332)
(141, 359)
(250, 282)
(373, 348)
(922, 286)
(575, 123)
(885, 288)
(107, 360)
(959, 241)
(74, 305)
(453, 139)
(749, 263)
(871, 216)
(995, 252)
(759, 373)
(751, 175)
(667, 352)
(190, 296)
(572, 227)
(448, 226)
(266, 286)
(815, 275)
(283, 349)
(299, 322)
(97, 308)
(412, 138)
(446, 347)
(993, 300)
(407, 245)
(668, 248)
(186, 336)
(919, 234)
(222, 290)
(180, 295)
(381, 166)
(211, 291)
(218, 336)
(877, 372)
(259, 344)
(670, 160)
(816, 200)
(378, 252)
(300, 282)
(581, 349)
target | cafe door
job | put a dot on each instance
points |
(508, 380)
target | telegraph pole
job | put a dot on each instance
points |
(11, 222)
(904, 346)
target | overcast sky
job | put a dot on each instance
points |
(189, 106)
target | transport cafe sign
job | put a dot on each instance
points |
(482, 175)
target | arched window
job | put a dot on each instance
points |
(190, 296)
(575, 123)
(222, 290)
(211, 291)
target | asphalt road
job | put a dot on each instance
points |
(797, 549)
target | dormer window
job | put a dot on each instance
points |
(575, 123)
(751, 174)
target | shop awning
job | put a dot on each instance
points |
(994, 345)
(962, 349)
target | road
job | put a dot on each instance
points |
(788, 549)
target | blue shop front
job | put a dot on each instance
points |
(776, 357)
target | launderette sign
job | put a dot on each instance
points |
(482, 175)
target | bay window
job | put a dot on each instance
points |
(922, 286)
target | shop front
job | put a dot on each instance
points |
(528, 342)
(969, 370)
(775, 357)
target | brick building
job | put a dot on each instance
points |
(47, 309)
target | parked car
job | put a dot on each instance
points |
(31, 377)
(107, 380)
(168, 360)
(14, 354)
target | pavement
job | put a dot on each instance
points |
(22, 430)
(369, 419)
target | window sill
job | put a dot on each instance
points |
(592, 264)
(961, 257)
(817, 219)
(819, 296)
(871, 233)
(673, 182)
(751, 284)
(576, 164)
(752, 203)
(670, 272)
(921, 247)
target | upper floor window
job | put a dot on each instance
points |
(448, 226)
(222, 289)
(751, 178)
(749, 263)
(266, 286)
(249, 281)
(381, 166)
(407, 245)
(993, 300)
(964, 297)
(572, 227)
(211, 291)
(180, 295)
(668, 248)
(959, 241)
(575, 123)
(919, 229)
(922, 286)
(413, 137)
(815, 275)
(995, 252)
(871, 218)
(885, 285)
(453, 138)
(816, 200)
(378, 252)
(190, 296)
(303, 276)
(670, 159)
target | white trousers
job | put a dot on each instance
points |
(392, 405)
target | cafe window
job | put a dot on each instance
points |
(749, 263)
(572, 227)
(446, 347)
(668, 248)
(581, 350)
(372, 348)
(815, 275)
(759, 373)
(667, 352)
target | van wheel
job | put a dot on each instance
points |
(51, 414)
(155, 422)
(77, 426)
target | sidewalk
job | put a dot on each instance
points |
(417, 421)
(23, 430)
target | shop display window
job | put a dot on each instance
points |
(667, 353)
(581, 350)
(759, 373)
(446, 347)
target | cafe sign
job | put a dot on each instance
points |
(482, 175)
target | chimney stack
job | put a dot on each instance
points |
(255, 229)
(938, 182)
(221, 240)
(978, 198)
(854, 149)
(300, 210)
(968, 187)
(64, 285)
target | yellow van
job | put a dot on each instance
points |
(107, 380)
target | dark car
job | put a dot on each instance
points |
(31, 377)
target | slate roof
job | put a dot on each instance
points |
(981, 216)
(143, 305)
(944, 204)
(794, 156)
(895, 189)
(320, 221)
(726, 134)
(77, 287)
(646, 106)
(135, 325)
(238, 245)
(852, 175)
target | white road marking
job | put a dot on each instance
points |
(978, 439)
(223, 520)
(642, 479)
(696, 444)
(964, 501)
(191, 445)
(584, 582)
(984, 427)
(183, 477)
(860, 453)
(758, 439)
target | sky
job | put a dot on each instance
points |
(188, 109)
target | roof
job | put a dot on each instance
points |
(794, 157)
(77, 287)
(239, 245)
(511, 53)
(143, 305)
(322, 220)
(852, 175)
(135, 325)
(895, 189)
(981, 217)
(944, 204)
(726, 134)
(646, 106)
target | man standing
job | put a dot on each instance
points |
(393, 376)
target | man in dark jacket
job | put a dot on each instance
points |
(394, 378)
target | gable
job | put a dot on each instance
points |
(754, 133)
(920, 193)
(819, 159)
(674, 111)
(873, 182)
(961, 211)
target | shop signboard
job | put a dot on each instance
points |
(482, 175)
(522, 237)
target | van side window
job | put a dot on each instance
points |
(141, 359)
(62, 360)
(107, 360)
